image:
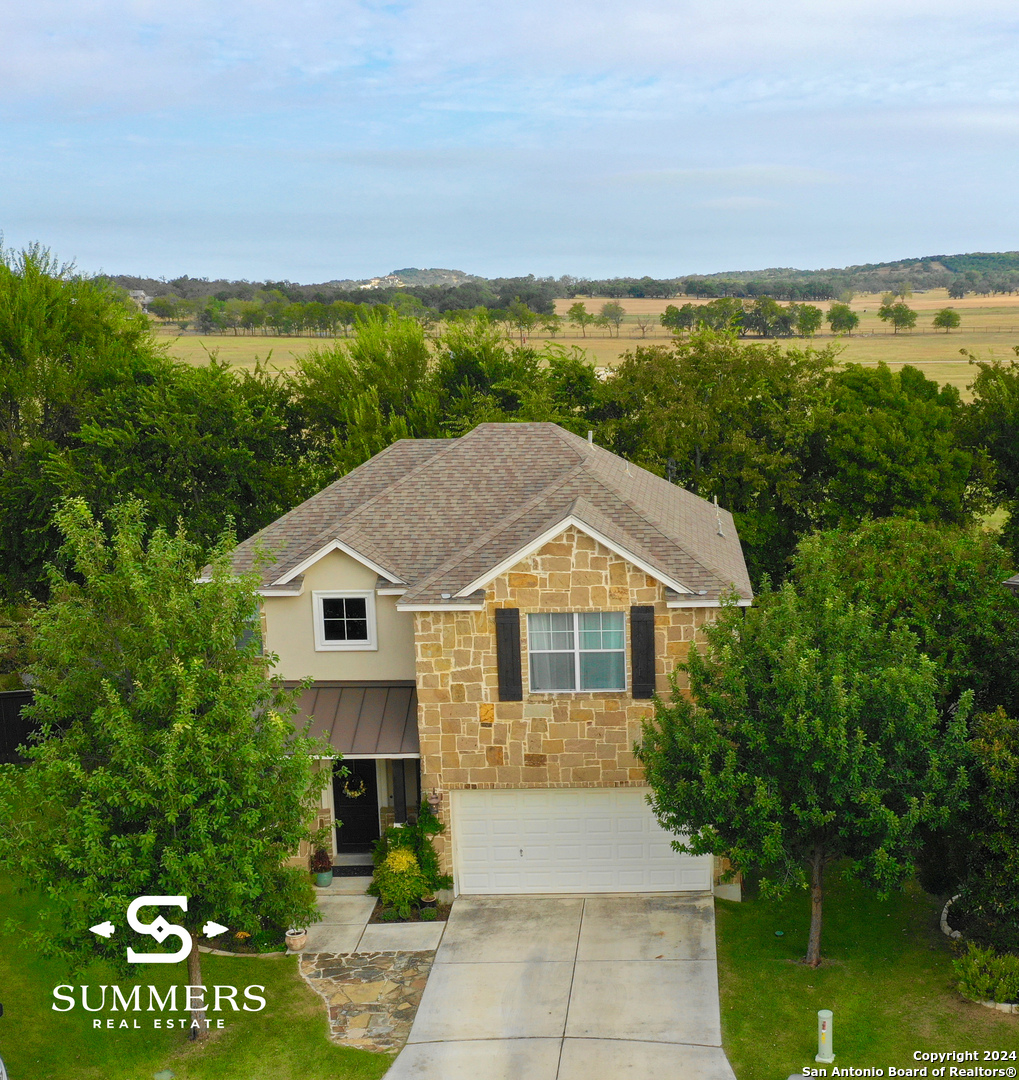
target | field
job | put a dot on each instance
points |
(990, 327)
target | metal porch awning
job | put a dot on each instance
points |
(363, 720)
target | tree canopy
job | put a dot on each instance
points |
(811, 735)
(943, 584)
(167, 764)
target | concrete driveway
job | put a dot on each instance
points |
(565, 988)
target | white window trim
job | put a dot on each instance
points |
(576, 655)
(321, 645)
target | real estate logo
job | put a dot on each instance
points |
(159, 929)
(117, 999)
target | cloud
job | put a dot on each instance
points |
(130, 56)
(344, 137)
(728, 176)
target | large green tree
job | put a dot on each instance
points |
(990, 424)
(947, 319)
(168, 763)
(65, 340)
(885, 443)
(725, 419)
(900, 315)
(989, 840)
(941, 582)
(842, 319)
(811, 735)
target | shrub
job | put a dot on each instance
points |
(415, 836)
(321, 861)
(428, 914)
(985, 975)
(389, 915)
(267, 941)
(399, 881)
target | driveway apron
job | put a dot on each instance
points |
(571, 988)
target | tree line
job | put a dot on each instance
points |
(91, 405)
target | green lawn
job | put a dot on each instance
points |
(887, 977)
(286, 1041)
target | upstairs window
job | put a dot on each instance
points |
(577, 651)
(344, 620)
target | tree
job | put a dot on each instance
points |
(645, 322)
(723, 315)
(613, 312)
(990, 889)
(943, 584)
(679, 319)
(885, 444)
(580, 316)
(521, 316)
(167, 762)
(947, 319)
(812, 736)
(842, 319)
(808, 319)
(901, 316)
(990, 425)
(738, 422)
(201, 444)
(552, 324)
(164, 307)
(66, 342)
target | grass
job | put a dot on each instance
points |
(286, 1041)
(990, 327)
(240, 351)
(887, 976)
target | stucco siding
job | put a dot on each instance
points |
(290, 628)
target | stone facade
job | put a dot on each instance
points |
(470, 739)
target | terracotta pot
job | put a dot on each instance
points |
(297, 940)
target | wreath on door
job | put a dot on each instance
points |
(354, 788)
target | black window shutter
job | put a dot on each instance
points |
(507, 647)
(642, 650)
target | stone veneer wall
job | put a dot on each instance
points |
(470, 739)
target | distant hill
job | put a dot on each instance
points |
(449, 290)
(413, 276)
(410, 276)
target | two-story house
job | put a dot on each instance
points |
(486, 620)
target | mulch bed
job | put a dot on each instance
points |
(441, 915)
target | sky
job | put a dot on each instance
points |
(312, 141)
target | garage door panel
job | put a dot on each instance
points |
(566, 840)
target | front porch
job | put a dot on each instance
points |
(372, 727)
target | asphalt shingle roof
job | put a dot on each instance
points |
(439, 514)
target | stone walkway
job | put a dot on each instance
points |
(370, 975)
(371, 998)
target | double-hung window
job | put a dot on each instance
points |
(344, 620)
(583, 650)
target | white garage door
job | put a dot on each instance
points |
(552, 840)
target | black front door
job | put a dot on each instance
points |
(356, 804)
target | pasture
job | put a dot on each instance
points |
(990, 327)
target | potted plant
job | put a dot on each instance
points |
(322, 867)
(296, 939)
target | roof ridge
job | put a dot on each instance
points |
(332, 531)
(497, 529)
(407, 475)
(322, 491)
(657, 525)
(632, 543)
